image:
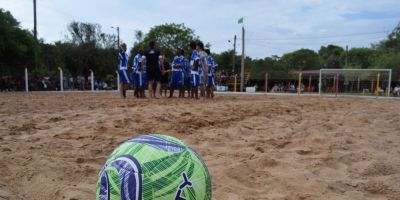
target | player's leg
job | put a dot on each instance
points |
(157, 78)
(150, 88)
(172, 84)
(143, 88)
(171, 92)
(212, 87)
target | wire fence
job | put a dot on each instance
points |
(369, 83)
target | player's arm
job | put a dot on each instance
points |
(142, 64)
(161, 61)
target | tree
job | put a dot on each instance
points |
(86, 33)
(17, 46)
(303, 59)
(361, 58)
(168, 37)
(224, 60)
(331, 56)
(392, 43)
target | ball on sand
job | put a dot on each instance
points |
(154, 167)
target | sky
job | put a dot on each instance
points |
(271, 27)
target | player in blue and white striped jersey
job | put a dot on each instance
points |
(136, 65)
(186, 74)
(211, 74)
(123, 72)
(140, 75)
(177, 74)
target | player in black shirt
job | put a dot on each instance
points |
(154, 68)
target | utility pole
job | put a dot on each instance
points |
(35, 56)
(242, 68)
(234, 54)
(117, 28)
(118, 35)
(34, 20)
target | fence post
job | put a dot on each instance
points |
(26, 80)
(117, 81)
(299, 87)
(61, 80)
(377, 84)
(235, 83)
(389, 83)
(320, 82)
(337, 84)
(92, 79)
(266, 82)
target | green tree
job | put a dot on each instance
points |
(225, 59)
(303, 59)
(331, 56)
(361, 58)
(168, 37)
(86, 33)
(16, 46)
(392, 43)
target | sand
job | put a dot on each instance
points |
(53, 145)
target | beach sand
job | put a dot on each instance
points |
(53, 145)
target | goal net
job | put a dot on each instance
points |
(372, 82)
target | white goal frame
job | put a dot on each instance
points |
(354, 70)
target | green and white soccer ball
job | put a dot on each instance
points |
(154, 167)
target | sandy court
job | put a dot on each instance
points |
(53, 145)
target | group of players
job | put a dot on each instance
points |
(150, 67)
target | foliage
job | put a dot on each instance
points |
(87, 47)
(167, 37)
(16, 46)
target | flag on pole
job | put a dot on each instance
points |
(240, 21)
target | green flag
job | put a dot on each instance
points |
(240, 21)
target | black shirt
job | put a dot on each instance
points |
(152, 58)
(164, 77)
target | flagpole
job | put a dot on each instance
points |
(242, 67)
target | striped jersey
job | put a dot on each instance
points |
(123, 60)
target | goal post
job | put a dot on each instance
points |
(355, 82)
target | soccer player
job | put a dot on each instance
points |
(123, 70)
(177, 74)
(211, 65)
(164, 76)
(136, 66)
(194, 72)
(186, 74)
(140, 74)
(154, 68)
(204, 70)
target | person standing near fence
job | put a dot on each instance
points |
(123, 70)
(137, 62)
(177, 74)
(154, 68)
(164, 76)
(211, 66)
(194, 72)
(203, 70)
(186, 73)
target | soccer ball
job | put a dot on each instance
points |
(154, 167)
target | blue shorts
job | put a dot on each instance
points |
(177, 79)
(140, 80)
(194, 80)
(211, 82)
(124, 77)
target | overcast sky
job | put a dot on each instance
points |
(272, 27)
